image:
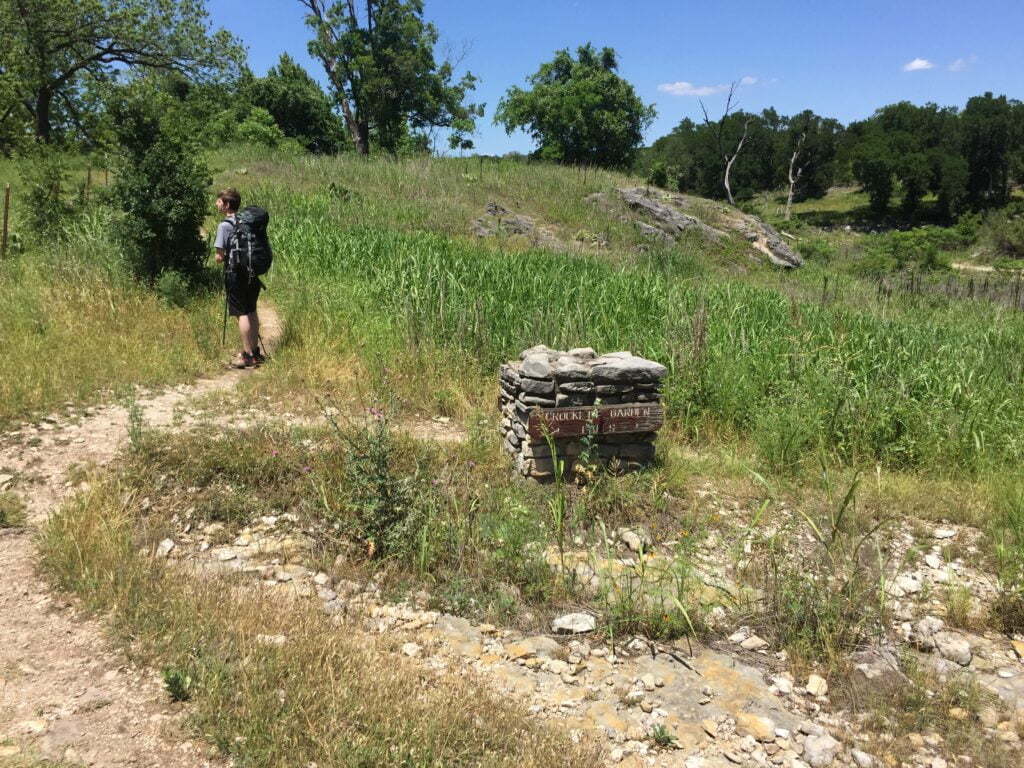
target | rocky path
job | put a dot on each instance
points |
(65, 694)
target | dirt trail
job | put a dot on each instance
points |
(966, 266)
(64, 692)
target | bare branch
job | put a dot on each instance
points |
(794, 178)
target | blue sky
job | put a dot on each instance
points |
(841, 58)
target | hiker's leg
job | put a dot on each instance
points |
(245, 331)
(254, 331)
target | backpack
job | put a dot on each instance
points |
(249, 248)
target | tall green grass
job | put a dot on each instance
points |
(442, 195)
(74, 326)
(911, 387)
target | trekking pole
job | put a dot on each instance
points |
(224, 333)
(7, 210)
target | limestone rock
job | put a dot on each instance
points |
(1018, 648)
(862, 759)
(820, 750)
(164, 548)
(574, 623)
(627, 370)
(754, 643)
(635, 540)
(817, 685)
(760, 728)
(953, 647)
(536, 366)
(412, 650)
(925, 631)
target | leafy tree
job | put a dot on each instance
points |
(383, 74)
(579, 110)
(161, 184)
(697, 152)
(259, 128)
(814, 141)
(989, 134)
(874, 168)
(298, 106)
(918, 147)
(53, 47)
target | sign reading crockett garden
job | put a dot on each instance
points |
(597, 420)
(577, 404)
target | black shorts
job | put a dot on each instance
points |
(242, 294)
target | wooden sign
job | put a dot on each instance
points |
(599, 420)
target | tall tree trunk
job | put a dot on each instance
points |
(793, 178)
(44, 99)
(357, 131)
(725, 179)
(730, 160)
(363, 145)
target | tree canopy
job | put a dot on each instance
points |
(50, 50)
(579, 110)
(298, 106)
(693, 153)
(964, 159)
(380, 62)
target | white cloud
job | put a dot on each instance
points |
(683, 88)
(961, 64)
(917, 64)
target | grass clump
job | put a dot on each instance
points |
(1006, 535)
(821, 580)
(919, 702)
(178, 683)
(336, 697)
(416, 515)
(12, 510)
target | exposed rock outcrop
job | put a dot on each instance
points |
(664, 216)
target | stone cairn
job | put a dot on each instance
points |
(601, 410)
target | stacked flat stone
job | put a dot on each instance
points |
(546, 378)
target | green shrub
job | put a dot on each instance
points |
(173, 287)
(1003, 231)
(384, 506)
(178, 683)
(161, 185)
(259, 128)
(45, 177)
(919, 248)
(658, 174)
(817, 249)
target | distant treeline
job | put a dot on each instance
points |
(968, 159)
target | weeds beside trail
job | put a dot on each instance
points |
(330, 696)
(911, 387)
(74, 325)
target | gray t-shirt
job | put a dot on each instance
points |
(224, 231)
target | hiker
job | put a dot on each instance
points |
(243, 248)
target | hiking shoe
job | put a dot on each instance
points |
(258, 357)
(243, 360)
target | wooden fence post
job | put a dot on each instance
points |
(7, 214)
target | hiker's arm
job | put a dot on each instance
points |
(220, 243)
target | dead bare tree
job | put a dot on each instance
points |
(728, 156)
(794, 177)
